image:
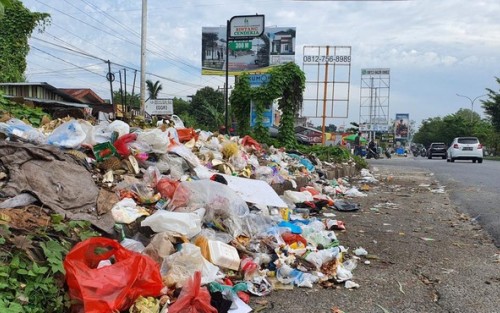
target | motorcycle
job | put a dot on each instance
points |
(423, 152)
(371, 153)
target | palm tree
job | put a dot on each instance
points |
(153, 89)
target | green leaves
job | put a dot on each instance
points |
(16, 27)
(287, 83)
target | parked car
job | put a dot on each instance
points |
(437, 149)
(465, 148)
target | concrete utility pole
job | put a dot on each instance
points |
(143, 53)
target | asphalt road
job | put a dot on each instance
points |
(474, 188)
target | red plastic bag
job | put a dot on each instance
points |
(290, 238)
(193, 298)
(166, 187)
(186, 134)
(121, 144)
(250, 142)
(113, 287)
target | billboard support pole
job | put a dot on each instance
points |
(226, 100)
(325, 88)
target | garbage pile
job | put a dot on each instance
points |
(184, 210)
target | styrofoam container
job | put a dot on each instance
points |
(223, 255)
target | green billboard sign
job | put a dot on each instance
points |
(240, 45)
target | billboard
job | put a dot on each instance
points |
(274, 47)
(401, 126)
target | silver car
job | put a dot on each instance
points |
(465, 148)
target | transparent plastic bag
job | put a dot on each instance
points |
(67, 135)
(223, 205)
(178, 267)
(157, 140)
(16, 127)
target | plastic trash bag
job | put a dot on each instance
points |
(110, 288)
(157, 140)
(193, 298)
(16, 127)
(224, 207)
(178, 267)
(120, 127)
(184, 223)
(67, 135)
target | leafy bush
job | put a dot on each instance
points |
(31, 267)
(22, 112)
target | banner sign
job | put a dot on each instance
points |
(159, 107)
(275, 46)
(401, 126)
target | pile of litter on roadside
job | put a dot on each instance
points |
(194, 211)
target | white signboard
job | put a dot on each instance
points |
(159, 107)
(246, 26)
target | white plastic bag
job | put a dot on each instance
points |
(298, 196)
(156, 139)
(184, 223)
(126, 211)
(120, 127)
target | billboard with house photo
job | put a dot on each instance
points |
(276, 46)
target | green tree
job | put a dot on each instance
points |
(16, 27)
(3, 5)
(287, 84)
(127, 99)
(492, 107)
(207, 107)
(153, 89)
(181, 106)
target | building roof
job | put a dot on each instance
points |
(83, 94)
(47, 86)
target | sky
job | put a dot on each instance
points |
(434, 49)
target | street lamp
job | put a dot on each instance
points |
(471, 104)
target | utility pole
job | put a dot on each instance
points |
(471, 104)
(143, 54)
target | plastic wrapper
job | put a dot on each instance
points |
(152, 176)
(185, 153)
(184, 223)
(264, 173)
(67, 135)
(178, 267)
(224, 207)
(16, 127)
(110, 288)
(132, 245)
(126, 211)
(160, 246)
(257, 224)
(288, 275)
(166, 187)
(320, 257)
(145, 305)
(121, 144)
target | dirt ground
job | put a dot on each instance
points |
(424, 256)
